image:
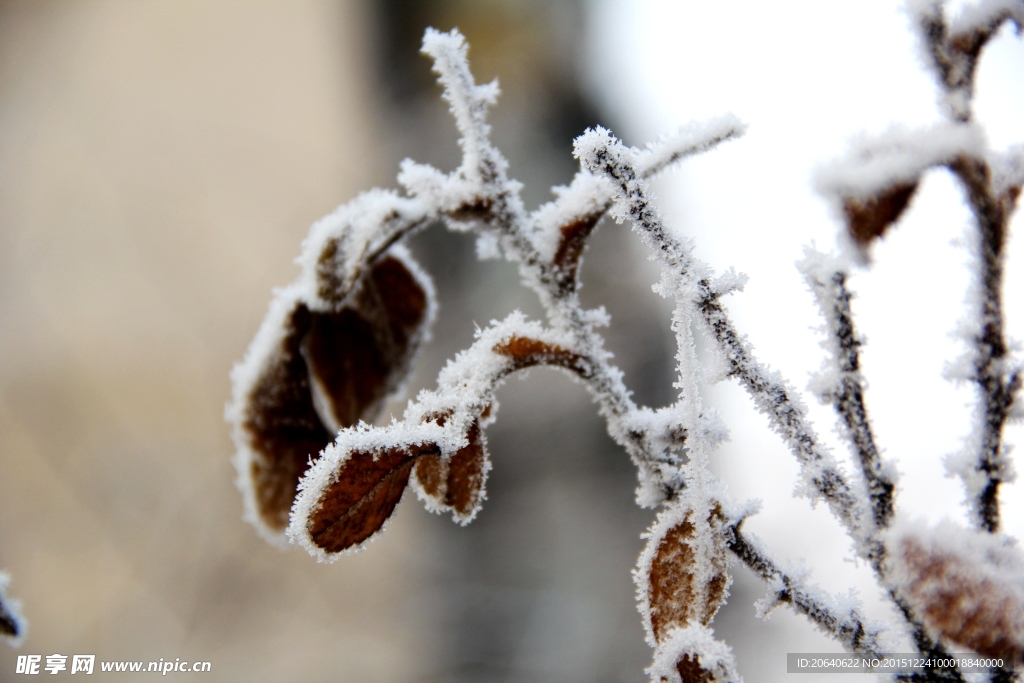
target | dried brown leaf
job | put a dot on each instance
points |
(526, 352)
(964, 605)
(869, 219)
(282, 426)
(690, 671)
(361, 497)
(684, 588)
(572, 240)
(331, 370)
(358, 355)
(8, 626)
(457, 484)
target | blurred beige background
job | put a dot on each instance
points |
(160, 163)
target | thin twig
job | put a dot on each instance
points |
(954, 50)
(997, 385)
(604, 154)
(846, 391)
(848, 629)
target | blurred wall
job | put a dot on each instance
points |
(159, 164)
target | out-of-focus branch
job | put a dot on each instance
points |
(12, 623)
(953, 47)
(993, 372)
(841, 382)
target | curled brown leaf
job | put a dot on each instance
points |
(330, 370)
(457, 484)
(526, 352)
(868, 219)
(966, 606)
(361, 497)
(282, 425)
(683, 587)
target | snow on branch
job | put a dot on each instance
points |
(840, 382)
(843, 622)
(469, 103)
(689, 140)
(984, 462)
(824, 479)
(870, 189)
(339, 342)
(952, 48)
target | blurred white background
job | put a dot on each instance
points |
(808, 78)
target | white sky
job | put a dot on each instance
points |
(807, 77)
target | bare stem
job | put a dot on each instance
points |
(847, 397)
(997, 385)
(848, 629)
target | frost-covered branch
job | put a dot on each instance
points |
(846, 624)
(600, 152)
(985, 463)
(338, 343)
(872, 188)
(952, 48)
(841, 383)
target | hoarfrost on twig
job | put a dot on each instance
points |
(309, 458)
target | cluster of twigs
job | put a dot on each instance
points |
(339, 341)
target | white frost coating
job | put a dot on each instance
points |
(697, 296)
(483, 166)
(840, 382)
(362, 228)
(897, 156)
(697, 641)
(693, 138)
(1008, 168)
(244, 377)
(839, 617)
(687, 279)
(963, 464)
(706, 544)
(466, 384)
(685, 421)
(982, 15)
(950, 47)
(469, 101)
(819, 271)
(919, 9)
(13, 608)
(587, 195)
(966, 463)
